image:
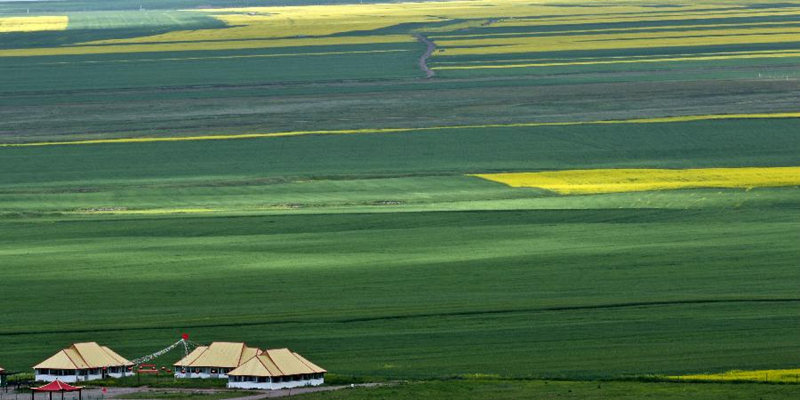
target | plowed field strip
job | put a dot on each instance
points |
(687, 118)
(425, 315)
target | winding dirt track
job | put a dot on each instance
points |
(423, 59)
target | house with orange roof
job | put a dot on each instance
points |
(214, 360)
(276, 369)
(83, 362)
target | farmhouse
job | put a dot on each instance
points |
(83, 362)
(214, 360)
(276, 369)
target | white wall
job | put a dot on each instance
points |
(293, 384)
(67, 378)
(275, 385)
(249, 385)
(199, 375)
(79, 377)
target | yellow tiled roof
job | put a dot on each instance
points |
(219, 354)
(83, 356)
(277, 362)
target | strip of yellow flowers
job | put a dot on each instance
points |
(776, 54)
(592, 181)
(685, 118)
(767, 375)
(33, 24)
(150, 211)
(205, 46)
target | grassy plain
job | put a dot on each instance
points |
(513, 390)
(178, 59)
(573, 293)
(375, 255)
(520, 280)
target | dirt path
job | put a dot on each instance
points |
(292, 392)
(423, 59)
(113, 393)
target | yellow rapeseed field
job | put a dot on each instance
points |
(404, 12)
(273, 26)
(533, 44)
(32, 24)
(472, 24)
(352, 24)
(608, 15)
(591, 181)
(322, 20)
(767, 375)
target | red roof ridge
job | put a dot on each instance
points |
(70, 358)
(241, 354)
(273, 362)
(79, 355)
(262, 363)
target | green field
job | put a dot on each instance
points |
(518, 283)
(376, 255)
(513, 390)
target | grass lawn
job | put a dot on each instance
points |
(513, 390)
(374, 255)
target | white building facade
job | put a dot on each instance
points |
(276, 369)
(278, 382)
(201, 372)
